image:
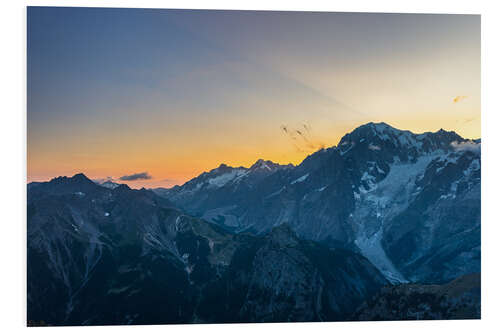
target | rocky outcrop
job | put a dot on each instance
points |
(458, 299)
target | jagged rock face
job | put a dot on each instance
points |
(408, 202)
(291, 280)
(437, 237)
(458, 299)
(120, 256)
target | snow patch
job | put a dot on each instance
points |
(371, 247)
(474, 166)
(275, 193)
(381, 201)
(300, 179)
(223, 179)
(342, 153)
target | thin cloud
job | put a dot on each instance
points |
(136, 176)
(302, 139)
(307, 127)
(471, 146)
(459, 98)
(468, 120)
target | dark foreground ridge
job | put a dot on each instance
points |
(125, 256)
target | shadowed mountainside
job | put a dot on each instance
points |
(99, 256)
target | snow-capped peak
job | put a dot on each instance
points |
(381, 136)
(261, 164)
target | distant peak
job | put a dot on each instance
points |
(380, 124)
(266, 165)
(122, 187)
(382, 135)
(367, 131)
(373, 128)
(80, 176)
(223, 168)
(106, 183)
(63, 184)
(260, 162)
(381, 127)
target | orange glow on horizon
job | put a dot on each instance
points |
(167, 172)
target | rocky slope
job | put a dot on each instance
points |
(100, 256)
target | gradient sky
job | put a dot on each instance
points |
(114, 92)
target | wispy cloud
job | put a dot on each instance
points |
(301, 138)
(468, 120)
(472, 146)
(136, 176)
(459, 98)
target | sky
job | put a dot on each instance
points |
(159, 96)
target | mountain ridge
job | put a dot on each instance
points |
(369, 124)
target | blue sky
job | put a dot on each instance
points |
(176, 92)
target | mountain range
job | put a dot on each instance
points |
(333, 238)
(408, 202)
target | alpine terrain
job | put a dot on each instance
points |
(383, 226)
